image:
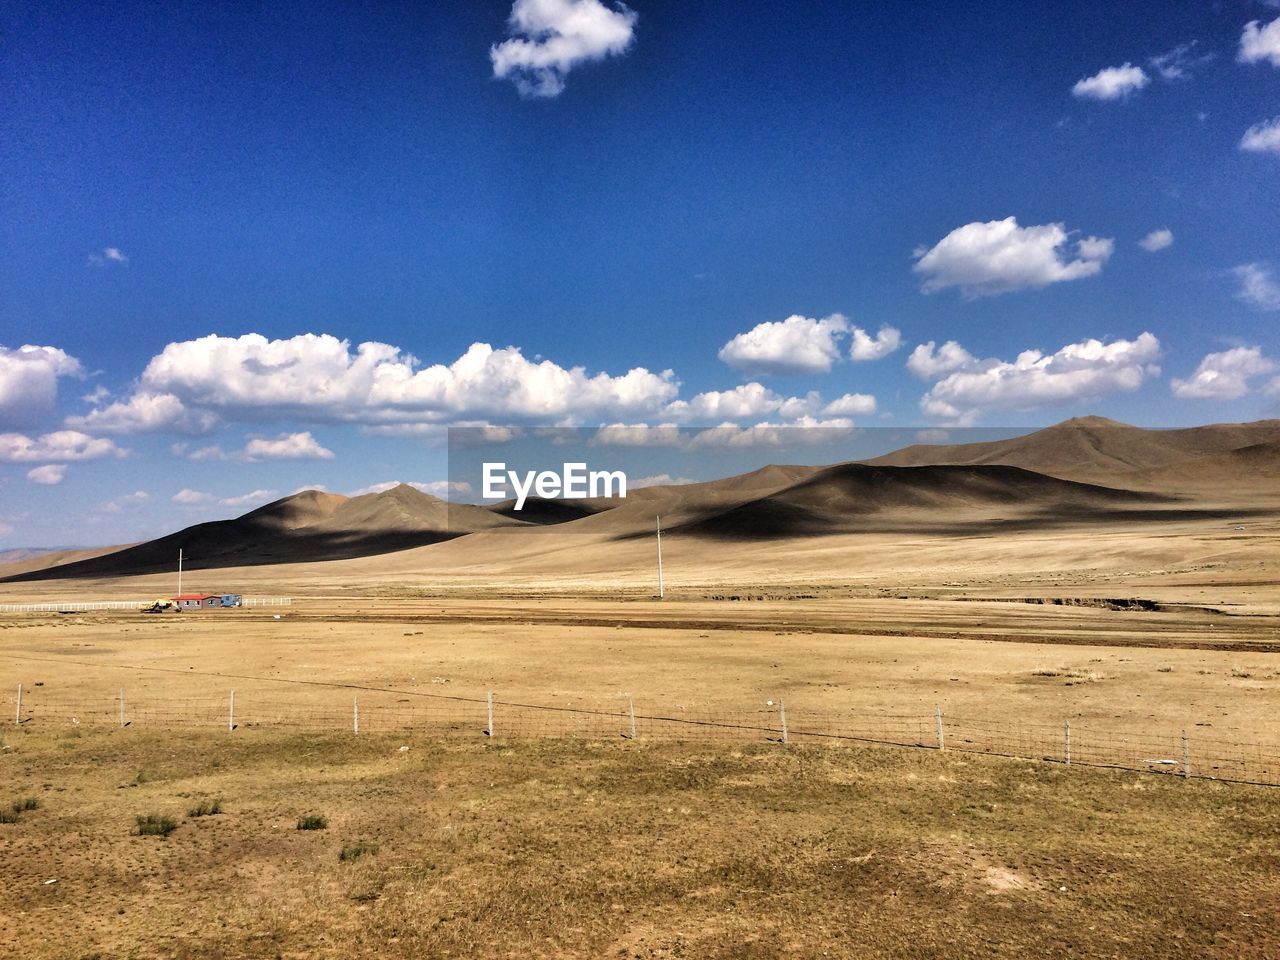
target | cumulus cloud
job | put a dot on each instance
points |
(795, 345)
(1079, 371)
(287, 446)
(1157, 240)
(1260, 43)
(1225, 375)
(1257, 287)
(145, 412)
(61, 445)
(929, 362)
(254, 496)
(639, 435)
(865, 347)
(548, 38)
(851, 405)
(130, 501)
(108, 255)
(804, 431)
(49, 475)
(29, 382)
(196, 498)
(741, 403)
(1112, 83)
(658, 480)
(320, 379)
(190, 498)
(984, 259)
(1262, 137)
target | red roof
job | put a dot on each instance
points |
(195, 596)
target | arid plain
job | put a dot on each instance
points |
(560, 837)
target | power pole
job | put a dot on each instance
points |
(661, 588)
(179, 572)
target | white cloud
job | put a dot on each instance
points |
(1225, 375)
(1262, 137)
(190, 498)
(129, 501)
(108, 255)
(1079, 371)
(61, 445)
(255, 496)
(548, 38)
(1176, 64)
(1257, 287)
(743, 402)
(1112, 83)
(805, 431)
(49, 475)
(851, 405)
(639, 435)
(984, 259)
(794, 345)
(29, 381)
(287, 446)
(1157, 240)
(1259, 43)
(145, 412)
(316, 377)
(865, 347)
(929, 363)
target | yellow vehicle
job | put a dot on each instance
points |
(156, 606)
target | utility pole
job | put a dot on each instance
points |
(661, 588)
(179, 572)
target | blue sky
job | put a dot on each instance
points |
(653, 188)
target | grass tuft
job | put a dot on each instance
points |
(353, 851)
(206, 808)
(155, 825)
(9, 816)
(25, 804)
(313, 822)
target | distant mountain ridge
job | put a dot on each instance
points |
(1081, 468)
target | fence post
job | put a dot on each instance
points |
(1066, 742)
(231, 712)
(1186, 757)
(17, 714)
(355, 715)
(942, 737)
(122, 706)
(489, 729)
(631, 704)
(782, 715)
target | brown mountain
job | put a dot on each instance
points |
(311, 525)
(1098, 450)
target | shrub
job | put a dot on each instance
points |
(313, 822)
(155, 825)
(206, 808)
(353, 851)
(9, 816)
(27, 803)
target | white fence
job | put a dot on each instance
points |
(81, 606)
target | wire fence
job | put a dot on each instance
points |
(84, 606)
(374, 711)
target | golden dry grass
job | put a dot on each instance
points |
(620, 850)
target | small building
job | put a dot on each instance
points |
(197, 601)
(231, 600)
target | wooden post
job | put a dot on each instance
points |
(17, 714)
(782, 715)
(231, 712)
(942, 737)
(662, 591)
(1066, 741)
(631, 704)
(489, 729)
(122, 706)
(1186, 757)
(355, 715)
